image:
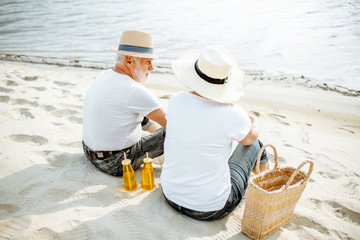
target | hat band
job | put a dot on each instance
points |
(130, 48)
(207, 78)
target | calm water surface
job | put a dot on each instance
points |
(316, 38)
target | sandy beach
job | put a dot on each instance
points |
(48, 190)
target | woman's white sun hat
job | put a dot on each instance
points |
(136, 44)
(212, 72)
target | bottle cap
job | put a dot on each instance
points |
(147, 160)
(126, 162)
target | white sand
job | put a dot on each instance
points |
(50, 191)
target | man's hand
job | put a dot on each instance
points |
(154, 126)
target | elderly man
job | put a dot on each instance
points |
(117, 107)
(201, 177)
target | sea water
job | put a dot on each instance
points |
(315, 38)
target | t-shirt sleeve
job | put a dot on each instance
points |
(242, 124)
(142, 101)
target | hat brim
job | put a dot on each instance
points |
(135, 54)
(229, 92)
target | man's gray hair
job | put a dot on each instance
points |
(119, 59)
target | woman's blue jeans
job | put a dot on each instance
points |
(241, 163)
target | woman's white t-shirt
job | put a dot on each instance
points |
(198, 145)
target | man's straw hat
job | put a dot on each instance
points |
(212, 72)
(136, 44)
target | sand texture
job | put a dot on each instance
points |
(48, 190)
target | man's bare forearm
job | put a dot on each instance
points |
(253, 133)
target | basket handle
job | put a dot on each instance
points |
(260, 154)
(291, 179)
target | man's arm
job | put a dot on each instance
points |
(253, 133)
(158, 116)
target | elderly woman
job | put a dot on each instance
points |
(201, 177)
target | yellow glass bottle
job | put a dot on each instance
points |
(147, 175)
(128, 175)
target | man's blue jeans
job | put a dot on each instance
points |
(241, 163)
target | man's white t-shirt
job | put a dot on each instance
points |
(113, 109)
(198, 145)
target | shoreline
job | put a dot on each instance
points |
(254, 75)
(51, 191)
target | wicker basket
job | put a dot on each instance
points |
(272, 196)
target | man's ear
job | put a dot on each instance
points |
(129, 60)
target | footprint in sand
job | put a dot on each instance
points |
(297, 222)
(64, 113)
(127, 226)
(343, 212)
(71, 106)
(111, 197)
(11, 83)
(76, 145)
(233, 226)
(12, 228)
(81, 232)
(42, 233)
(23, 138)
(331, 174)
(64, 83)
(71, 161)
(40, 89)
(75, 119)
(65, 92)
(4, 99)
(165, 97)
(60, 160)
(94, 196)
(73, 115)
(20, 101)
(79, 96)
(339, 210)
(29, 196)
(30, 78)
(48, 108)
(279, 118)
(352, 183)
(17, 113)
(344, 215)
(104, 234)
(57, 195)
(7, 209)
(6, 90)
